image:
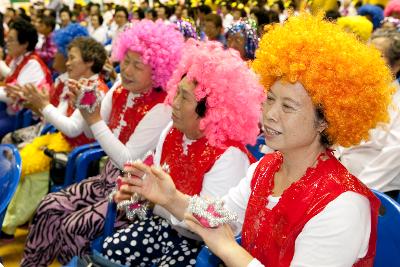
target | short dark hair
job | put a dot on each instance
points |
(26, 33)
(123, 9)
(324, 138)
(65, 10)
(204, 9)
(214, 18)
(91, 51)
(49, 21)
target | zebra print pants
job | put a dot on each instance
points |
(66, 221)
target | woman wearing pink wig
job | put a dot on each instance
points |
(216, 106)
(127, 126)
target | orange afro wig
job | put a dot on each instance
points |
(348, 79)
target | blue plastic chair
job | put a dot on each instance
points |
(207, 259)
(388, 243)
(255, 150)
(72, 168)
(97, 244)
(10, 171)
(83, 160)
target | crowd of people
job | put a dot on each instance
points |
(179, 90)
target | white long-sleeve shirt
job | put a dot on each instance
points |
(142, 140)
(337, 236)
(226, 173)
(377, 161)
(30, 73)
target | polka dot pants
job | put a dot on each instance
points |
(151, 242)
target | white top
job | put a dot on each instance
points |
(227, 21)
(226, 173)
(99, 34)
(30, 73)
(337, 236)
(143, 139)
(376, 162)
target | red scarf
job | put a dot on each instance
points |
(188, 170)
(270, 235)
(132, 115)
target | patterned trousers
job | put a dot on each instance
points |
(66, 221)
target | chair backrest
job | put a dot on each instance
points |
(388, 243)
(256, 149)
(10, 171)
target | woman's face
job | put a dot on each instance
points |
(289, 118)
(136, 76)
(184, 114)
(76, 67)
(94, 19)
(14, 48)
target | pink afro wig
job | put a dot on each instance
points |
(160, 46)
(233, 93)
(393, 6)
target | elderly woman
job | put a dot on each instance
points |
(57, 94)
(299, 206)
(213, 118)
(85, 60)
(127, 126)
(26, 67)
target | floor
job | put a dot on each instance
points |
(12, 253)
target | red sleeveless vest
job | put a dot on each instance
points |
(188, 170)
(46, 83)
(129, 117)
(82, 138)
(269, 235)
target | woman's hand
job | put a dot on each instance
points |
(215, 238)
(151, 182)
(37, 100)
(14, 92)
(221, 242)
(74, 90)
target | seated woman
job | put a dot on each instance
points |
(86, 58)
(127, 126)
(242, 36)
(58, 92)
(26, 67)
(299, 206)
(216, 103)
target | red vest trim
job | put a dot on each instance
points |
(132, 115)
(269, 235)
(47, 82)
(188, 170)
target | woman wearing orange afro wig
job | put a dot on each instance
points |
(299, 206)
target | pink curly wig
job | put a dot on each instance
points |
(233, 93)
(160, 46)
(393, 6)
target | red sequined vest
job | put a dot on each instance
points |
(44, 84)
(82, 138)
(270, 235)
(188, 169)
(132, 115)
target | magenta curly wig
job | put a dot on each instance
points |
(393, 6)
(160, 46)
(233, 93)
